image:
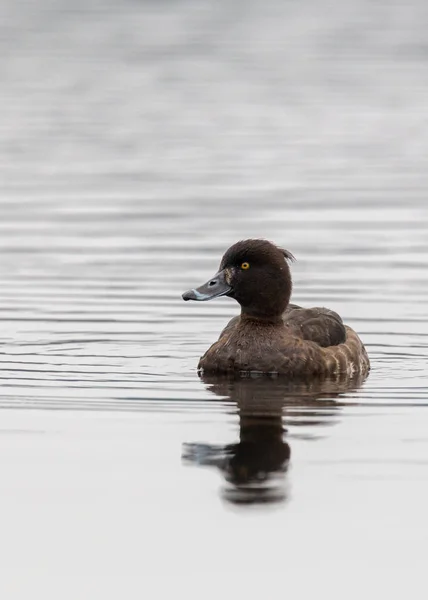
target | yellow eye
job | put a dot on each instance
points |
(245, 266)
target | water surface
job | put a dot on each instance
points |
(138, 141)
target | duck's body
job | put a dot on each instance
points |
(271, 335)
(246, 345)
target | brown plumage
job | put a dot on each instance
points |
(271, 335)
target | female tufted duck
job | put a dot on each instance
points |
(271, 335)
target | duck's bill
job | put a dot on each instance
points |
(215, 287)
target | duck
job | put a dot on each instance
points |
(271, 335)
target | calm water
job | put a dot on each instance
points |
(138, 141)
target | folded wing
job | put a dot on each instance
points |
(319, 325)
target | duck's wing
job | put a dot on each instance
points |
(319, 325)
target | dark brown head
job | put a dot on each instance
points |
(256, 274)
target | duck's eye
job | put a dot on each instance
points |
(245, 266)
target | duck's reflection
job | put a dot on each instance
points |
(255, 467)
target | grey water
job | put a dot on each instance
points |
(138, 141)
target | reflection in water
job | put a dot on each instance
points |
(255, 467)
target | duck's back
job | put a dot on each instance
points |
(341, 349)
(320, 325)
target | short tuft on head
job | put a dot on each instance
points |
(288, 255)
(255, 250)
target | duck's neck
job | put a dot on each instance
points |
(260, 319)
(270, 301)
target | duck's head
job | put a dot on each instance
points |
(256, 274)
